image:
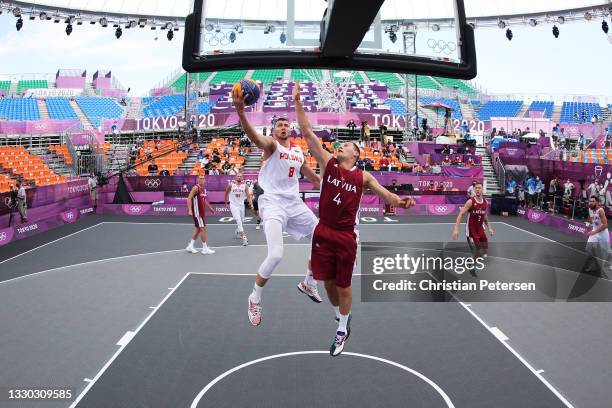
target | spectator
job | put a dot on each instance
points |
(351, 125)
(164, 172)
(92, 183)
(446, 161)
(555, 130)
(583, 116)
(216, 158)
(384, 162)
(553, 188)
(581, 141)
(568, 189)
(446, 149)
(521, 195)
(375, 146)
(227, 151)
(383, 133)
(213, 171)
(511, 186)
(200, 155)
(225, 167)
(365, 132)
(539, 186)
(158, 144)
(204, 161)
(148, 152)
(593, 119)
(471, 191)
(530, 184)
(22, 204)
(233, 171)
(153, 169)
(361, 164)
(593, 188)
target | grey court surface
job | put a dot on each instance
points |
(120, 313)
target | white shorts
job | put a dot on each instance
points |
(238, 215)
(603, 238)
(297, 219)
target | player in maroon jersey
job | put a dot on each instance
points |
(196, 203)
(334, 242)
(476, 209)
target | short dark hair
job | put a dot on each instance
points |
(281, 119)
(356, 148)
(594, 197)
(475, 182)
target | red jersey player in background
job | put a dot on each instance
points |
(196, 202)
(476, 209)
(334, 242)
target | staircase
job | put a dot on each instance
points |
(606, 114)
(410, 159)
(490, 183)
(42, 109)
(556, 113)
(55, 162)
(253, 159)
(191, 159)
(523, 111)
(134, 109)
(287, 74)
(82, 118)
(467, 111)
(117, 157)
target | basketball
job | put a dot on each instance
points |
(249, 88)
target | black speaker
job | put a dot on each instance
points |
(500, 203)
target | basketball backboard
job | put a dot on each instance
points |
(414, 36)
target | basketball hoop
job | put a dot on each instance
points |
(331, 91)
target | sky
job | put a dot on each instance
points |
(579, 62)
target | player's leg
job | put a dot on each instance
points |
(302, 223)
(273, 230)
(238, 216)
(346, 253)
(245, 241)
(206, 250)
(194, 236)
(332, 295)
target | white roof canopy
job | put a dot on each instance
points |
(312, 10)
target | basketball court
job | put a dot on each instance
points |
(130, 319)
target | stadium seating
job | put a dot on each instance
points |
(229, 77)
(450, 102)
(571, 112)
(204, 107)
(301, 75)
(26, 166)
(546, 106)
(26, 84)
(267, 76)
(398, 107)
(502, 109)
(59, 108)
(475, 103)
(167, 105)
(5, 85)
(97, 109)
(19, 109)
(61, 150)
(219, 144)
(356, 78)
(594, 156)
(424, 82)
(170, 160)
(180, 83)
(392, 81)
(461, 86)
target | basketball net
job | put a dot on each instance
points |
(331, 91)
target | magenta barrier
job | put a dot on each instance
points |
(31, 228)
(555, 221)
(39, 126)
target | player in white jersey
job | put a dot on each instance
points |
(598, 243)
(280, 206)
(237, 191)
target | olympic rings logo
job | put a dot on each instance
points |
(135, 209)
(214, 39)
(440, 208)
(69, 215)
(152, 183)
(441, 46)
(3, 236)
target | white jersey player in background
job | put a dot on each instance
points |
(280, 206)
(598, 243)
(237, 191)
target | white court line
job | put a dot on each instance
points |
(125, 339)
(130, 256)
(50, 242)
(110, 361)
(537, 373)
(435, 386)
(542, 237)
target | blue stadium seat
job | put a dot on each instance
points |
(546, 106)
(97, 109)
(398, 107)
(571, 112)
(59, 108)
(168, 105)
(449, 102)
(502, 109)
(19, 109)
(204, 107)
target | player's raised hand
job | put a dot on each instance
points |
(296, 92)
(238, 101)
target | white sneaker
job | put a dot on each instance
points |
(245, 241)
(191, 249)
(311, 291)
(258, 226)
(207, 251)
(254, 313)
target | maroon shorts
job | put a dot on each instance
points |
(478, 240)
(199, 222)
(333, 255)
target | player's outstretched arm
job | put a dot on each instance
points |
(311, 176)
(370, 183)
(261, 141)
(192, 193)
(321, 155)
(249, 196)
(227, 191)
(486, 222)
(460, 216)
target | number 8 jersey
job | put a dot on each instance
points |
(280, 173)
(341, 191)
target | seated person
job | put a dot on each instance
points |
(446, 161)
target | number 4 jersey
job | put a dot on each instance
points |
(341, 191)
(280, 173)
